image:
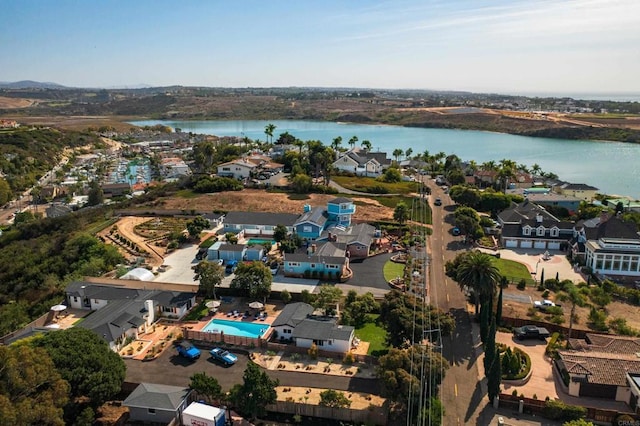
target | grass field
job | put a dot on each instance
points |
(392, 270)
(374, 334)
(514, 271)
(373, 186)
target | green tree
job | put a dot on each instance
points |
(327, 299)
(334, 399)
(196, 226)
(302, 184)
(254, 278)
(572, 295)
(397, 153)
(337, 141)
(206, 386)
(257, 390)
(401, 212)
(352, 141)
(355, 310)
(96, 195)
(32, 392)
(477, 273)
(492, 366)
(268, 130)
(85, 360)
(285, 296)
(210, 276)
(464, 196)
(366, 145)
(280, 233)
(5, 192)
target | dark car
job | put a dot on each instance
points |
(437, 202)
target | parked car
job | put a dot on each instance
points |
(274, 268)
(187, 350)
(437, 202)
(456, 231)
(531, 332)
(223, 356)
(543, 304)
(231, 266)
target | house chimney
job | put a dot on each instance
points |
(539, 218)
(307, 208)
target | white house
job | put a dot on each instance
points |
(359, 164)
(239, 169)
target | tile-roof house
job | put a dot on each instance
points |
(154, 403)
(598, 366)
(297, 322)
(527, 225)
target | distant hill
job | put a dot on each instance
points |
(29, 84)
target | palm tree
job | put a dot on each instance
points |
(572, 295)
(536, 169)
(268, 130)
(336, 143)
(299, 144)
(366, 145)
(489, 165)
(407, 153)
(352, 141)
(397, 153)
(478, 273)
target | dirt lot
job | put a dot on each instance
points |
(513, 308)
(10, 103)
(126, 227)
(260, 201)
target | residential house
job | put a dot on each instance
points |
(527, 225)
(265, 164)
(57, 210)
(228, 251)
(363, 163)
(485, 178)
(254, 252)
(553, 199)
(358, 239)
(340, 210)
(322, 260)
(257, 223)
(157, 404)
(599, 366)
(174, 168)
(115, 189)
(239, 169)
(122, 312)
(627, 204)
(612, 248)
(579, 190)
(311, 223)
(215, 219)
(521, 180)
(297, 322)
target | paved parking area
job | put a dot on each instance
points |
(178, 266)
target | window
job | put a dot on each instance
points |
(226, 169)
(286, 331)
(313, 265)
(75, 299)
(526, 231)
(540, 231)
(306, 229)
(555, 231)
(293, 264)
(151, 410)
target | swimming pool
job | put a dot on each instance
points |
(236, 328)
(260, 241)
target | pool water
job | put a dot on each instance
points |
(236, 328)
(260, 241)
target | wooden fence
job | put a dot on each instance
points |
(371, 415)
(227, 339)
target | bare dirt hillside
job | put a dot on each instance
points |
(11, 103)
(260, 201)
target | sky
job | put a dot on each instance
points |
(516, 47)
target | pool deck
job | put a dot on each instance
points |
(226, 308)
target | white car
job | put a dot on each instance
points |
(543, 304)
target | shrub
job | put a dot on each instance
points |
(313, 351)
(522, 284)
(545, 294)
(349, 358)
(552, 347)
(558, 410)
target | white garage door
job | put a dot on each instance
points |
(540, 244)
(554, 246)
(526, 244)
(511, 243)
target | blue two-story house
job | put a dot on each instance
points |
(315, 220)
(340, 211)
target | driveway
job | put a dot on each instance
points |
(171, 369)
(178, 266)
(368, 275)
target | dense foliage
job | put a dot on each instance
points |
(38, 259)
(256, 391)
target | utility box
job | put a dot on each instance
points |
(198, 414)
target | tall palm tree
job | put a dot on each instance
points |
(336, 143)
(397, 153)
(299, 144)
(268, 130)
(407, 153)
(366, 145)
(572, 295)
(352, 141)
(536, 169)
(478, 273)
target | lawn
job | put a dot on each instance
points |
(373, 186)
(514, 271)
(393, 270)
(374, 334)
(197, 312)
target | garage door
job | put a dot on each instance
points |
(598, 390)
(511, 243)
(526, 244)
(540, 244)
(554, 246)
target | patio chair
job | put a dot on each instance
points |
(263, 316)
(229, 314)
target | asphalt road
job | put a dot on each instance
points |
(369, 272)
(460, 391)
(172, 369)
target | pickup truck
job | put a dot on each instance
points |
(531, 332)
(187, 350)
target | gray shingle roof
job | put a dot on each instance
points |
(362, 233)
(340, 200)
(260, 218)
(160, 397)
(322, 329)
(329, 252)
(232, 247)
(317, 216)
(292, 314)
(579, 187)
